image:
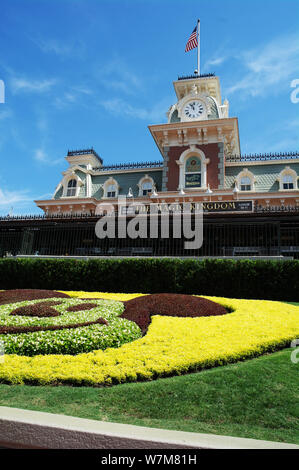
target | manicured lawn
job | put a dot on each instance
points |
(257, 398)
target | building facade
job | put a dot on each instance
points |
(200, 160)
(250, 202)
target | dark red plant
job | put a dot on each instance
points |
(41, 309)
(80, 307)
(18, 295)
(142, 308)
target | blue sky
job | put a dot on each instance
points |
(82, 73)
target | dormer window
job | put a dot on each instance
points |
(147, 187)
(111, 190)
(245, 180)
(287, 179)
(71, 188)
(245, 184)
(287, 182)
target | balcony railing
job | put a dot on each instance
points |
(130, 166)
(71, 215)
(262, 157)
(276, 209)
(72, 153)
(190, 77)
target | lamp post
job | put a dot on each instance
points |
(130, 194)
(236, 190)
(154, 192)
(209, 192)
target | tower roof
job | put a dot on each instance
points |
(91, 151)
(207, 83)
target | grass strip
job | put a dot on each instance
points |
(257, 399)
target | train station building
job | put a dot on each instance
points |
(250, 202)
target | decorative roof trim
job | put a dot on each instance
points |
(129, 166)
(262, 157)
(91, 151)
(191, 77)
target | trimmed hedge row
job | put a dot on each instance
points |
(272, 280)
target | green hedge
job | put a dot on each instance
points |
(274, 280)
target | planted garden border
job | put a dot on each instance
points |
(172, 346)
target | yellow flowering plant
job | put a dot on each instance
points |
(171, 346)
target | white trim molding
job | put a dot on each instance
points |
(245, 173)
(146, 178)
(71, 175)
(193, 151)
(108, 182)
(288, 171)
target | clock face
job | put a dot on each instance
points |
(194, 109)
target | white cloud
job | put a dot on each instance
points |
(41, 156)
(214, 62)
(52, 45)
(72, 96)
(269, 69)
(82, 89)
(63, 48)
(16, 202)
(12, 197)
(117, 75)
(119, 107)
(35, 86)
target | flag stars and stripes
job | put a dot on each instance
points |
(192, 41)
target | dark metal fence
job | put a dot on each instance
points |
(257, 234)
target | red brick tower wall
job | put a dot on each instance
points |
(211, 152)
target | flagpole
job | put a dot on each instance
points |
(198, 48)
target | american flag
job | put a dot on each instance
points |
(192, 41)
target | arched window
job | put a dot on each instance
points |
(245, 183)
(193, 172)
(71, 188)
(245, 180)
(145, 185)
(146, 188)
(288, 178)
(193, 169)
(287, 182)
(111, 190)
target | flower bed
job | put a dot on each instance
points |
(141, 309)
(15, 295)
(171, 346)
(73, 326)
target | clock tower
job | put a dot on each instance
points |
(198, 136)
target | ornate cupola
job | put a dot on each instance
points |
(87, 158)
(199, 99)
(198, 125)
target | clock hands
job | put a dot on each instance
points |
(194, 109)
